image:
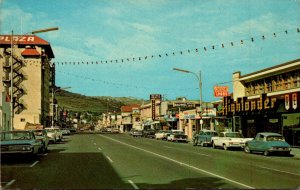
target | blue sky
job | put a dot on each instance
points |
(105, 30)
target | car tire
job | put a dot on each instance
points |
(195, 142)
(247, 149)
(266, 153)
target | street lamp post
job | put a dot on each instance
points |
(200, 86)
(53, 94)
(11, 71)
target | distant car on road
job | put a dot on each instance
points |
(177, 136)
(268, 143)
(41, 135)
(162, 134)
(137, 133)
(19, 142)
(204, 137)
(149, 133)
(54, 134)
(65, 131)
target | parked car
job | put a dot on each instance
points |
(54, 134)
(41, 135)
(267, 143)
(19, 142)
(137, 133)
(65, 131)
(149, 133)
(229, 140)
(177, 136)
(162, 134)
(204, 137)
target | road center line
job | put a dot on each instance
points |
(180, 163)
(133, 184)
(32, 165)
(109, 159)
(278, 170)
(10, 183)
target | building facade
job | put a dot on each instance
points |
(267, 100)
(4, 112)
(31, 57)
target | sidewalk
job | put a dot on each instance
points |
(296, 152)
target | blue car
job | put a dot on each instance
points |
(19, 142)
(268, 143)
(204, 137)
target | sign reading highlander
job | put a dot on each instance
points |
(245, 105)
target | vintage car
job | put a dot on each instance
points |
(149, 133)
(177, 136)
(228, 140)
(65, 131)
(137, 133)
(19, 142)
(267, 143)
(204, 137)
(162, 134)
(54, 134)
(41, 135)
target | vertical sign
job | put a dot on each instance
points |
(287, 101)
(153, 98)
(294, 100)
(153, 109)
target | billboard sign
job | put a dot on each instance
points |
(221, 91)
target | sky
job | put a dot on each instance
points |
(154, 36)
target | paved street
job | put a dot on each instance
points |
(101, 161)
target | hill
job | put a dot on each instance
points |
(95, 104)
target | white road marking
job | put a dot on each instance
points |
(278, 170)
(99, 148)
(167, 146)
(32, 165)
(202, 154)
(95, 144)
(181, 163)
(133, 184)
(10, 183)
(109, 159)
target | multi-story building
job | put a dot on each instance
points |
(4, 112)
(31, 57)
(267, 100)
(131, 117)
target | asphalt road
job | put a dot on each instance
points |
(110, 161)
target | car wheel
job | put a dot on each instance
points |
(225, 147)
(247, 149)
(266, 153)
(202, 144)
(195, 142)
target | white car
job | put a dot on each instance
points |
(163, 135)
(229, 140)
(54, 134)
(177, 136)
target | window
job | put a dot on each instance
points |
(22, 119)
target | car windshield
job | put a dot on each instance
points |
(214, 134)
(234, 135)
(15, 136)
(275, 138)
